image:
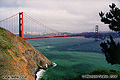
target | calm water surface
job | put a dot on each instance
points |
(72, 56)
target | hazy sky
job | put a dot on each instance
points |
(61, 15)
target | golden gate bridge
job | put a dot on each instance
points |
(21, 24)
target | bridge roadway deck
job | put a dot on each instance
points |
(41, 37)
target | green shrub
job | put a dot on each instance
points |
(105, 72)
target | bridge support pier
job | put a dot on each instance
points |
(21, 30)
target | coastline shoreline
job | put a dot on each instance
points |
(40, 71)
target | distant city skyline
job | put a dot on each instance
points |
(61, 15)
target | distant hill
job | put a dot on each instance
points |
(101, 35)
(18, 57)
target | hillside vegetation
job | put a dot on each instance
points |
(18, 57)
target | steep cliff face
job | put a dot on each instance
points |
(18, 57)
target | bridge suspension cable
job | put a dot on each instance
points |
(37, 22)
(9, 17)
(10, 23)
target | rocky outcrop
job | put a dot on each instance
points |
(19, 59)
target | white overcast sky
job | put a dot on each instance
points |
(61, 15)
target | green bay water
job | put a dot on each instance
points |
(73, 56)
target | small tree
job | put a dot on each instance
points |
(112, 18)
(111, 49)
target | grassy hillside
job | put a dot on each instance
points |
(18, 57)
